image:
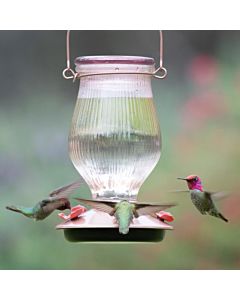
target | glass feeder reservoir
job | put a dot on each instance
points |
(115, 140)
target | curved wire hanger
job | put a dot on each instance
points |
(68, 72)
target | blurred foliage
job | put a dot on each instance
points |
(199, 110)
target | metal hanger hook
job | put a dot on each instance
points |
(68, 72)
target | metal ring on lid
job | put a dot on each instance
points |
(162, 73)
(68, 71)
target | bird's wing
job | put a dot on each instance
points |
(65, 191)
(51, 205)
(220, 195)
(105, 206)
(146, 209)
(180, 191)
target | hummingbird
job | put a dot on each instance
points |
(124, 210)
(58, 199)
(203, 200)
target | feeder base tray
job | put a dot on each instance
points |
(96, 226)
(112, 235)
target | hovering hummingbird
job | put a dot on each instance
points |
(124, 211)
(203, 200)
(58, 199)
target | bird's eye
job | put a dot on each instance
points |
(195, 179)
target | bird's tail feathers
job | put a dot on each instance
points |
(14, 208)
(123, 229)
(217, 214)
(222, 217)
(220, 195)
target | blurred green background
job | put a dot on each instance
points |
(199, 110)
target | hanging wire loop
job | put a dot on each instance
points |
(161, 70)
(68, 72)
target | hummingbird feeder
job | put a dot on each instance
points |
(115, 140)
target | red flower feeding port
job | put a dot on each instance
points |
(114, 144)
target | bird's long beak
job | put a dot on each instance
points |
(182, 178)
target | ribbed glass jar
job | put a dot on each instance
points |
(115, 141)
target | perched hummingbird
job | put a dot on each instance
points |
(58, 199)
(124, 211)
(201, 199)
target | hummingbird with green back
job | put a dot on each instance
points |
(203, 200)
(124, 210)
(57, 200)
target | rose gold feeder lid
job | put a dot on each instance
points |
(114, 59)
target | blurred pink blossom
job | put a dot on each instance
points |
(201, 108)
(203, 70)
(231, 208)
(208, 263)
(189, 227)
